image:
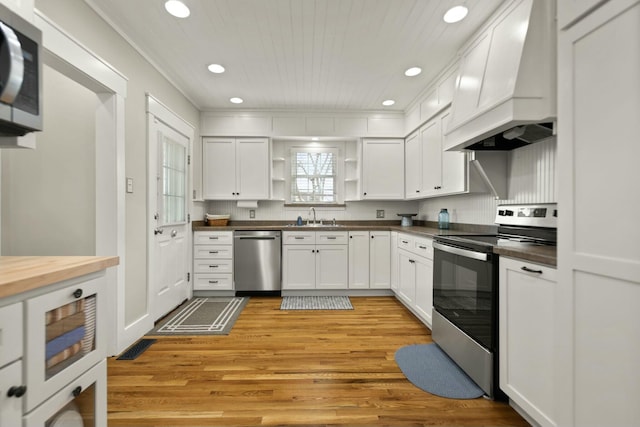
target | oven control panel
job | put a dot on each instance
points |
(538, 215)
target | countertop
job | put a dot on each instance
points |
(24, 273)
(525, 251)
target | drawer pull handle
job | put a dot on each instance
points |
(76, 391)
(412, 261)
(213, 266)
(77, 293)
(405, 242)
(422, 247)
(213, 238)
(213, 252)
(530, 270)
(331, 237)
(299, 237)
(213, 282)
(17, 391)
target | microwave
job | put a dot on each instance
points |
(20, 75)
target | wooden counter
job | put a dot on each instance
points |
(24, 273)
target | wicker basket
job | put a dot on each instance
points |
(218, 222)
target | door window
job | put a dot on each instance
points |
(173, 176)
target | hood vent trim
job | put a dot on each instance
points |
(516, 137)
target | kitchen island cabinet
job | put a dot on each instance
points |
(53, 343)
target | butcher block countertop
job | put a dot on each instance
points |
(25, 273)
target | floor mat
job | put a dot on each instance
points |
(316, 303)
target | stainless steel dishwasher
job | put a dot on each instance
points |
(257, 262)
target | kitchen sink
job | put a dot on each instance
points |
(317, 225)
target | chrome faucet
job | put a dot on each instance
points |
(314, 214)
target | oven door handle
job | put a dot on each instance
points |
(462, 252)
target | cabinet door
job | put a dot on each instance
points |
(413, 167)
(453, 163)
(219, 168)
(11, 332)
(332, 266)
(358, 259)
(394, 261)
(252, 168)
(298, 267)
(380, 260)
(10, 406)
(407, 276)
(383, 169)
(431, 138)
(526, 301)
(424, 288)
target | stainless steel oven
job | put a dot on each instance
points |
(465, 288)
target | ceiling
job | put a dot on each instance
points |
(344, 55)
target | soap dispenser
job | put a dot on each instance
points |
(443, 219)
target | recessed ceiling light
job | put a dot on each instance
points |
(177, 8)
(413, 71)
(237, 100)
(388, 102)
(216, 68)
(455, 14)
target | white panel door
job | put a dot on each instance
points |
(358, 259)
(383, 169)
(252, 168)
(219, 168)
(169, 252)
(332, 269)
(380, 260)
(431, 138)
(298, 267)
(407, 276)
(424, 288)
(454, 163)
(413, 166)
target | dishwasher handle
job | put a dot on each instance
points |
(257, 238)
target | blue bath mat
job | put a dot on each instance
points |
(430, 369)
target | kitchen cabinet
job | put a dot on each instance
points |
(383, 169)
(315, 260)
(369, 260)
(431, 171)
(213, 261)
(415, 275)
(236, 168)
(11, 380)
(597, 298)
(526, 337)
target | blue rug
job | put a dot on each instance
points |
(429, 368)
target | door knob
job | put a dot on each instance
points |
(174, 233)
(158, 231)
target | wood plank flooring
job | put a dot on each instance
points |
(290, 368)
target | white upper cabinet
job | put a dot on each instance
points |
(383, 169)
(413, 166)
(236, 168)
(507, 74)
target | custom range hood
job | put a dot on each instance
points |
(505, 93)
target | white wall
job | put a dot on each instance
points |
(82, 23)
(48, 194)
(531, 179)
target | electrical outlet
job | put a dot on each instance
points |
(129, 185)
(252, 213)
(380, 213)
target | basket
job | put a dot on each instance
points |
(217, 220)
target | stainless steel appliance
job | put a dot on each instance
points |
(465, 288)
(20, 75)
(257, 263)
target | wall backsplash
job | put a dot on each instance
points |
(532, 173)
(531, 180)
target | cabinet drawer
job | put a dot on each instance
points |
(10, 406)
(213, 238)
(332, 237)
(212, 282)
(213, 266)
(423, 247)
(212, 252)
(298, 238)
(10, 333)
(405, 242)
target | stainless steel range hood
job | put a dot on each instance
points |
(505, 94)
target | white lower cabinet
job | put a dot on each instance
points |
(213, 261)
(527, 322)
(415, 275)
(369, 260)
(314, 260)
(394, 261)
(11, 395)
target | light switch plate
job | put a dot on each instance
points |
(252, 213)
(380, 213)
(129, 185)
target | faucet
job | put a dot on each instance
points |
(314, 214)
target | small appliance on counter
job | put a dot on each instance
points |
(407, 221)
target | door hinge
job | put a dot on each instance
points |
(188, 218)
(189, 159)
(188, 277)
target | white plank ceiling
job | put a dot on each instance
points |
(322, 55)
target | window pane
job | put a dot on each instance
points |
(313, 177)
(173, 181)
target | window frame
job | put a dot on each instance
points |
(316, 147)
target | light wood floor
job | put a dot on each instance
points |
(290, 368)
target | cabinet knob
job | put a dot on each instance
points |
(417, 191)
(77, 293)
(372, 237)
(365, 194)
(76, 391)
(17, 391)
